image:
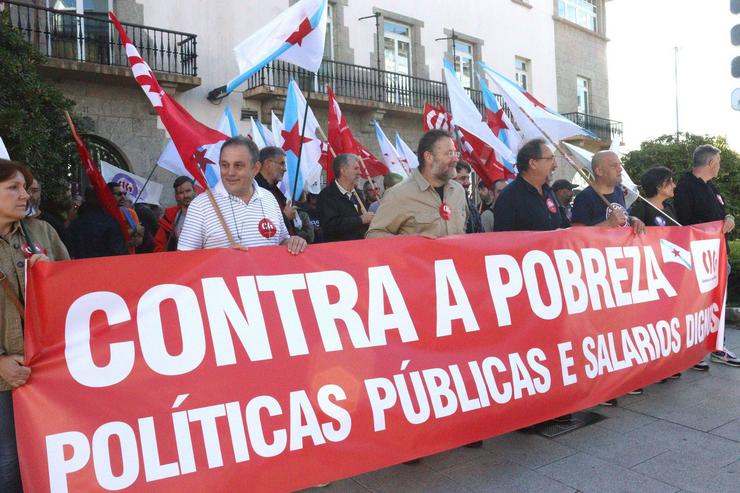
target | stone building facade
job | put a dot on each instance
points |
(545, 44)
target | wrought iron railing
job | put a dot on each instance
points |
(93, 38)
(355, 81)
(604, 128)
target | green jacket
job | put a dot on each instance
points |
(13, 265)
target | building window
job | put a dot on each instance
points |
(583, 86)
(84, 39)
(582, 12)
(329, 40)
(397, 38)
(523, 66)
(464, 63)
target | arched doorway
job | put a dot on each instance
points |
(100, 149)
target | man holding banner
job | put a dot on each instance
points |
(248, 210)
(429, 202)
(589, 208)
(528, 203)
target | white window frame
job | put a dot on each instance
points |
(396, 39)
(467, 57)
(583, 93)
(585, 13)
(523, 77)
(401, 95)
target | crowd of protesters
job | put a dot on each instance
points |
(434, 200)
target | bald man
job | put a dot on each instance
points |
(590, 210)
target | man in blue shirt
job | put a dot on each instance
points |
(589, 209)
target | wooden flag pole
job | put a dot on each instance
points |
(217, 210)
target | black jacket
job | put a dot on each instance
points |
(697, 201)
(340, 220)
(95, 234)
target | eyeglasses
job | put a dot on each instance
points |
(550, 158)
(455, 154)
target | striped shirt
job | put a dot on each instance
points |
(202, 229)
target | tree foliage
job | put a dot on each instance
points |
(676, 154)
(32, 122)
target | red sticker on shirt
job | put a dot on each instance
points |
(28, 253)
(267, 228)
(445, 212)
(551, 205)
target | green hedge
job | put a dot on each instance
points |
(733, 285)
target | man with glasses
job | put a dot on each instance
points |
(428, 202)
(528, 203)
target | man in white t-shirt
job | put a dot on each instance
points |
(251, 213)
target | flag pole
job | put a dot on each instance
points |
(300, 148)
(579, 169)
(96, 178)
(322, 136)
(145, 183)
(217, 210)
(583, 174)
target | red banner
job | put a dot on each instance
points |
(221, 370)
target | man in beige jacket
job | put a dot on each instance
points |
(428, 202)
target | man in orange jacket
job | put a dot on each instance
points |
(174, 217)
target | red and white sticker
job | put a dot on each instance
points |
(28, 253)
(445, 212)
(719, 198)
(551, 205)
(267, 228)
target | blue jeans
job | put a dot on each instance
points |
(10, 474)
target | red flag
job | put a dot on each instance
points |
(437, 118)
(325, 161)
(342, 140)
(482, 158)
(107, 201)
(189, 135)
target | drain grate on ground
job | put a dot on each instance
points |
(551, 429)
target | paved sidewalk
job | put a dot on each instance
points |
(683, 435)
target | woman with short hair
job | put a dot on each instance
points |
(21, 239)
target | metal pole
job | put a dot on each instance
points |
(377, 38)
(454, 48)
(145, 183)
(377, 35)
(675, 75)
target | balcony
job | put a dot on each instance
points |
(357, 86)
(88, 46)
(605, 129)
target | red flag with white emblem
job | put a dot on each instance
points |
(188, 134)
(437, 118)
